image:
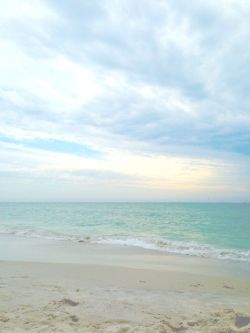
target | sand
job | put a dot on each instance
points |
(124, 290)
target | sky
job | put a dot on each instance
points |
(125, 100)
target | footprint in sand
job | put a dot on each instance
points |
(68, 301)
(4, 319)
(227, 287)
(74, 318)
(241, 321)
(196, 285)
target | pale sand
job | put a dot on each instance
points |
(124, 290)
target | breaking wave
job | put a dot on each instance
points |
(168, 246)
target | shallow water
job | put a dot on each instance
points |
(201, 229)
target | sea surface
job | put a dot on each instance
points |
(212, 230)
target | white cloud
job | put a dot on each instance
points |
(168, 80)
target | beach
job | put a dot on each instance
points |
(125, 166)
(118, 289)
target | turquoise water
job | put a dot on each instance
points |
(200, 229)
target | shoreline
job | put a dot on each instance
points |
(119, 289)
(226, 255)
(16, 248)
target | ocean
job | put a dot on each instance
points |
(215, 230)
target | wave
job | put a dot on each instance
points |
(182, 247)
(188, 248)
(28, 233)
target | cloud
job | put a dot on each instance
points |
(122, 173)
(167, 80)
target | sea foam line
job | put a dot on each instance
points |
(168, 246)
(180, 247)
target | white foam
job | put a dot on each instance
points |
(168, 246)
(178, 247)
